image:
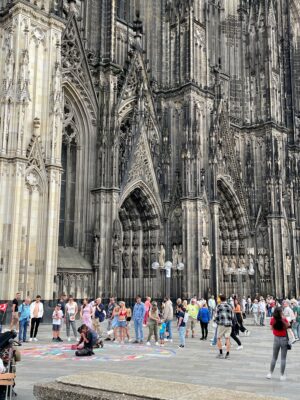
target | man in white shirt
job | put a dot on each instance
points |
(289, 314)
(212, 306)
(262, 311)
(36, 315)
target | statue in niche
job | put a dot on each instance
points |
(267, 265)
(226, 265)
(242, 263)
(162, 256)
(145, 258)
(125, 261)
(96, 250)
(261, 265)
(251, 264)
(135, 263)
(116, 251)
(288, 265)
(206, 256)
(180, 254)
(233, 263)
(175, 256)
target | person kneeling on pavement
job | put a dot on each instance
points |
(88, 340)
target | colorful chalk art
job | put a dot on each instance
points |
(110, 352)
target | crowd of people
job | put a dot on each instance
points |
(113, 321)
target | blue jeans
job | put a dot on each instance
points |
(262, 318)
(138, 327)
(169, 329)
(181, 332)
(23, 324)
(215, 339)
(296, 329)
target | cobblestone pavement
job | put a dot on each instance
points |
(196, 363)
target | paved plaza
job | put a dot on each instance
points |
(197, 363)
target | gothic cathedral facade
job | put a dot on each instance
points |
(138, 132)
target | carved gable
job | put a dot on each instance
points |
(35, 153)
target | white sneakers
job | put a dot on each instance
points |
(35, 339)
(156, 344)
(148, 344)
(269, 376)
(69, 339)
(240, 347)
(283, 378)
(30, 340)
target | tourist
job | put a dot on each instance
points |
(147, 309)
(162, 332)
(109, 316)
(115, 323)
(71, 310)
(181, 325)
(235, 329)
(243, 306)
(138, 318)
(168, 317)
(224, 317)
(57, 317)
(63, 301)
(204, 318)
(128, 320)
(87, 340)
(239, 317)
(24, 318)
(279, 326)
(262, 311)
(36, 315)
(290, 316)
(248, 305)
(86, 313)
(14, 324)
(296, 323)
(255, 311)
(153, 323)
(192, 309)
(122, 321)
(212, 306)
(98, 315)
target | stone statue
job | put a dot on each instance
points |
(125, 260)
(206, 257)
(267, 265)
(174, 256)
(135, 263)
(288, 265)
(162, 256)
(180, 255)
(116, 251)
(251, 264)
(146, 258)
(261, 265)
(242, 263)
(96, 250)
(226, 265)
(233, 263)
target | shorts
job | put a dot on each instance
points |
(224, 331)
(121, 324)
(55, 328)
(191, 323)
(162, 336)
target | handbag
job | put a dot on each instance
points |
(289, 346)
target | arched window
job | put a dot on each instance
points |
(68, 180)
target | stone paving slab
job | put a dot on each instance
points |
(196, 364)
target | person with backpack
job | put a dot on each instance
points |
(98, 315)
(279, 325)
(204, 318)
(181, 324)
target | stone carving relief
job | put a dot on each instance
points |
(288, 265)
(135, 263)
(125, 261)
(116, 245)
(175, 261)
(162, 256)
(206, 256)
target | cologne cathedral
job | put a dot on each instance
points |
(149, 146)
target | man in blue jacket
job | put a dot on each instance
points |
(138, 317)
(24, 318)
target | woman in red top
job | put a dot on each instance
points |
(122, 321)
(279, 325)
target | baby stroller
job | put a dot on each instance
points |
(9, 356)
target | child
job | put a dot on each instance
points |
(162, 332)
(56, 323)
